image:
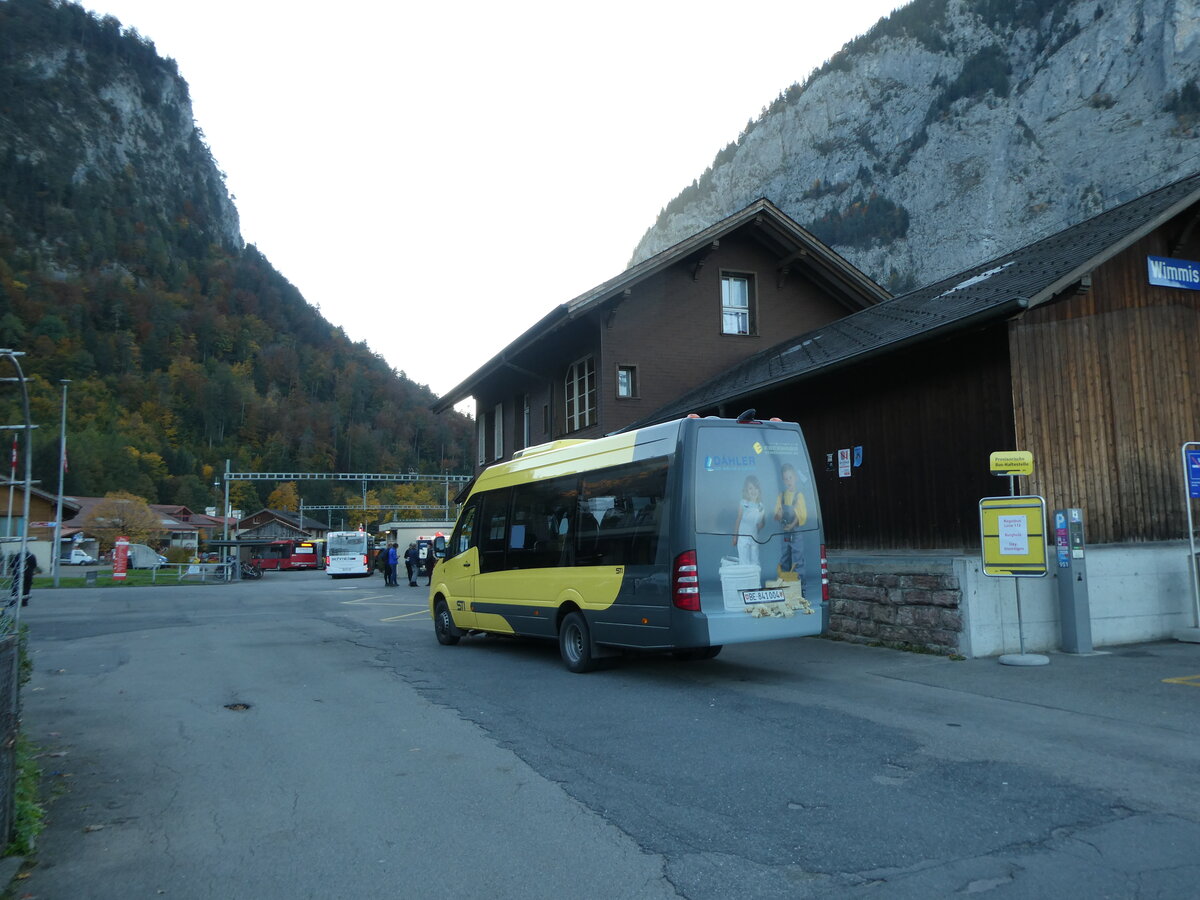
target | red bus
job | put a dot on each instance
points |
(289, 554)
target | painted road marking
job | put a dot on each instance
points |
(376, 600)
(423, 611)
(1193, 680)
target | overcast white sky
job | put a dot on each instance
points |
(437, 177)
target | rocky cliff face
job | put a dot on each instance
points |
(96, 133)
(957, 130)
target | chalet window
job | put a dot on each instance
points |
(526, 421)
(737, 304)
(627, 385)
(498, 442)
(579, 390)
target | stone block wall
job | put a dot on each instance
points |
(909, 601)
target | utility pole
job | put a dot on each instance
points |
(56, 563)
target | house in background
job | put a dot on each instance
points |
(640, 340)
(187, 529)
(276, 524)
(40, 534)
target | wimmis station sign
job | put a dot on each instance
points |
(1176, 273)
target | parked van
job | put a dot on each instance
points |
(680, 537)
(142, 557)
(78, 558)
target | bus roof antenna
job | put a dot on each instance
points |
(747, 416)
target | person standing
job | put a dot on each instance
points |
(393, 561)
(412, 562)
(427, 564)
(22, 579)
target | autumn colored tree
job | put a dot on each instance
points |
(244, 497)
(285, 497)
(122, 514)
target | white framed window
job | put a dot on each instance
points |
(737, 304)
(627, 385)
(579, 392)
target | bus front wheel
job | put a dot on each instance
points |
(443, 625)
(575, 643)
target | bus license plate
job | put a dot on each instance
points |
(770, 595)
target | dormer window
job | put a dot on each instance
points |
(737, 304)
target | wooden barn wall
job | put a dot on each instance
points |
(927, 420)
(1106, 389)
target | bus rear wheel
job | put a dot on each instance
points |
(443, 625)
(575, 643)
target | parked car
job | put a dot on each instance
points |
(78, 558)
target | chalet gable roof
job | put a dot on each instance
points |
(997, 289)
(795, 248)
(290, 519)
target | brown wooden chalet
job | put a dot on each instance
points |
(278, 524)
(1065, 348)
(640, 340)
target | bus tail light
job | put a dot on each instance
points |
(824, 575)
(685, 581)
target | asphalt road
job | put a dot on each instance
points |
(303, 737)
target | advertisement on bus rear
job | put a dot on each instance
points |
(758, 531)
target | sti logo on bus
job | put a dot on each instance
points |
(727, 463)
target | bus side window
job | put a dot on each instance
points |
(536, 533)
(628, 529)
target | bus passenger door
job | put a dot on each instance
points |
(456, 573)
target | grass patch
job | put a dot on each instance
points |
(29, 817)
(167, 575)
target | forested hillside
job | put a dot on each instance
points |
(123, 270)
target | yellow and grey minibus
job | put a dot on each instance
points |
(680, 537)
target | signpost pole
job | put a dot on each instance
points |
(1191, 487)
(1013, 532)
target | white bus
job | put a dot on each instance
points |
(347, 553)
(680, 537)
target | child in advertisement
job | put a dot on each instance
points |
(750, 519)
(791, 512)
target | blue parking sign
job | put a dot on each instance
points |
(1192, 458)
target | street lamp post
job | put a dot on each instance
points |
(56, 559)
(216, 505)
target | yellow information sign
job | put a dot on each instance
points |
(1011, 462)
(1014, 536)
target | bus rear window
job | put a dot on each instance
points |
(745, 471)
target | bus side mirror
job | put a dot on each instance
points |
(439, 547)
